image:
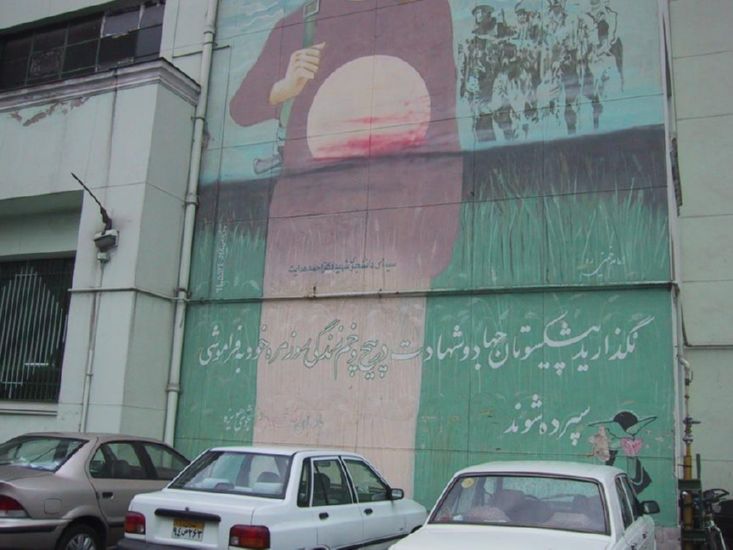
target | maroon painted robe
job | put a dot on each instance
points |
(394, 199)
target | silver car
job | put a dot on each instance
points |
(70, 491)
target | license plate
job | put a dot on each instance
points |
(187, 529)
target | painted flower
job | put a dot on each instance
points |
(631, 445)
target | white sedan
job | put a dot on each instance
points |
(248, 497)
(539, 506)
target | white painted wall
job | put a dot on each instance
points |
(702, 51)
(42, 235)
(41, 145)
(183, 28)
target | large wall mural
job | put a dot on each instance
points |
(436, 232)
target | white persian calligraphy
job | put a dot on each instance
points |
(349, 349)
(544, 424)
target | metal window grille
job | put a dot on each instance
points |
(34, 307)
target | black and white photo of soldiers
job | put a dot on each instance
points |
(540, 60)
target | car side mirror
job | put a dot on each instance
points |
(650, 507)
(395, 494)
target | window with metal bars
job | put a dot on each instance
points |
(34, 307)
(81, 46)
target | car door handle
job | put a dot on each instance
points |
(323, 515)
(368, 511)
(108, 494)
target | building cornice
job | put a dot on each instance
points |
(158, 72)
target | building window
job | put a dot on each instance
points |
(34, 307)
(81, 46)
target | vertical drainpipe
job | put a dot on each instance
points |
(681, 366)
(91, 347)
(174, 374)
(683, 376)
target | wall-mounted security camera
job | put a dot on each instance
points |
(107, 239)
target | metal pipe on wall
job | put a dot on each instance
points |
(174, 374)
(91, 347)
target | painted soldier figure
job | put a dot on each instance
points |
(479, 64)
(560, 62)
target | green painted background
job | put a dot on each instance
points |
(534, 370)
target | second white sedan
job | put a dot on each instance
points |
(536, 505)
(248, 497)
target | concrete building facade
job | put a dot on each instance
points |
(701, 59)
(126, 133)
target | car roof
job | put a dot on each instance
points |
(90, 436)
(283, 450)
(550, 467)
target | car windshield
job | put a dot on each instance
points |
(38, 452)
(547, 502)
(252, 474)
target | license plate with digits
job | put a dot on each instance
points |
(186, 529)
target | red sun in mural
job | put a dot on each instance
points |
(373, 105)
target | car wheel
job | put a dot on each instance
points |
(79, 537)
